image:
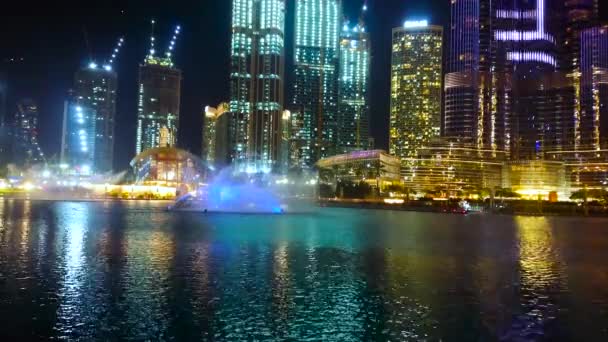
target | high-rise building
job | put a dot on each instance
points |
(215, 135)
(27, 150)
(594, 88)
(95, 92)
(79, 132)
(353, 120)
(256, 83)
(159, 100)
(503, 90)
(416, 75)
(315, 93)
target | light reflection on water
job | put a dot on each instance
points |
(99, 271)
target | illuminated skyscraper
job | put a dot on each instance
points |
(256, 83)
(215, 135)
(159, 99)
(78, 136)
(95, 91)
(315, 93)
(416, 72)
(503, 90)
(594, 88)
(353, 124)
(27, 150)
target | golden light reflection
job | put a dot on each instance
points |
(541, 276)
(538, 255)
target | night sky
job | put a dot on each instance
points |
(51, 40)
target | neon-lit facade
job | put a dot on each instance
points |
(256, 84)
(315, 93)
(416, 72)
(353, 130)
(504, 90)
(158, 99)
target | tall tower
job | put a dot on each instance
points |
(159, 99)
(315, 93)
(416, 72)
(87, 143)
(27, 150)
(353, 123)
(594, 88)
(256, 83)
(95, 91)
(503, 90)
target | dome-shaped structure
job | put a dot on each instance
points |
(168, 166)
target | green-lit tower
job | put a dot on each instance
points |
(315, 93)
(353, 128)
(256, 84)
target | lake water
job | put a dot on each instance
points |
(131, 271)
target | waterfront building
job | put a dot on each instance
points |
(584, 168)
(416, 75)
(168, 167)
(376, 167)
(256, 84)
(353, 124)
(94, 92)
(27, 150)
(315, 92)
(534, 179)
(454, 167)
(159, 99)
(215, 135)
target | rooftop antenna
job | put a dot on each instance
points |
(172, 43)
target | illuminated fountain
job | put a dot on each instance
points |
(235, 193)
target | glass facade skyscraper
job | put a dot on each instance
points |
(256, 84)
(95, 93)
(159, 103)
(504, 90)
(79, 136)
(353, 123)
(416, 72)
(315, 93)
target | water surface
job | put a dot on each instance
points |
(131, 271)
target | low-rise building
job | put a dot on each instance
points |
(376, 168)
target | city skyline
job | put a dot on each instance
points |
(216, 89)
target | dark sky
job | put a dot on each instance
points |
(50, 37)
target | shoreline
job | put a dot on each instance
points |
(439, 209)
